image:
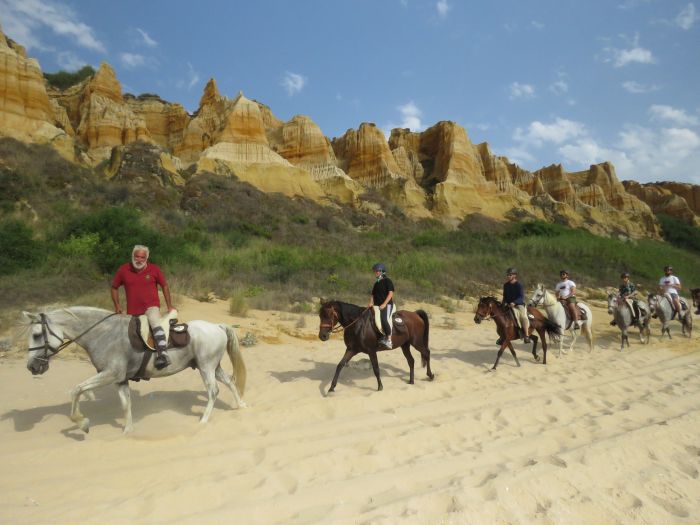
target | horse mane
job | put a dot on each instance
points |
(347, 311)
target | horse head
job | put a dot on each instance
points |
(329, 318)
(537, 295)
(612, 302)
(43, 340)
(485, 308)
(695, 294)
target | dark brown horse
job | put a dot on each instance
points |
(491, 308)
(695, 294)
(408, 329)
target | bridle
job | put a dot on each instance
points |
(542, 300)
(490, 315)
(335, 320)
(46, 330)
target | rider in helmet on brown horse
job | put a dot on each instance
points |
(383, 297)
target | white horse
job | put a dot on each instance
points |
(104, 336)
(557, 313)
(662, 308)
(623, 315)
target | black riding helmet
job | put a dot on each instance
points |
(512, 271)
(624, 274)
(379, 267)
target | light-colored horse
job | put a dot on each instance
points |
(557, 313)
(104, 336)
(663, 309)
(623, 315)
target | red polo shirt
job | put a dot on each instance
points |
(141, 286)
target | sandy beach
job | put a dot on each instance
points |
(599, 438)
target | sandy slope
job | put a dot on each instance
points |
(597, 438)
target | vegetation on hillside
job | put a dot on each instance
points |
(64, 230)
(65, 79)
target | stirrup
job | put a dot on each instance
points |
(161, 361)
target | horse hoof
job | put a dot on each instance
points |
(84, 425)
(410, 383)
(242, 404)
(380, 388)
(431, 376)
(127, 430)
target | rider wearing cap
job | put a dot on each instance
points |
(566, 294)
(669, 284)
(628, 292)
(383, 297)
(514, 297)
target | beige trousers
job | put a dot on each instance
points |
(521, 313)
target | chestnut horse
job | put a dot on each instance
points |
(491, 308)
(408, 329)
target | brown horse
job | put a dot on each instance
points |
(491, 308)
(409, 329)
(695, 294)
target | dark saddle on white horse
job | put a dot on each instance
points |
(141, 335)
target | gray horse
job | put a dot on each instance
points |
(104, 336)
(622, 314)
(663, 309)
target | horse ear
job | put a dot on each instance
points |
(29, 317)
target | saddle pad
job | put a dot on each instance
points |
(145, 329)
(378, 318)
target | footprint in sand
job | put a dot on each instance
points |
(557, 461)
(672, 507)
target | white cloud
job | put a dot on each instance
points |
(559, 87)
(147, 40)
(687, 17)
(676, 116)
(442, 8)
(23, 19)
(410, 118)
(520, 156)
(633, 54)
(557, 132)
(192, 78)
(518, 90)
(132, 60)
(636, 88)
(642, 154)
(69, 61)
(537, 25)
(293, 83)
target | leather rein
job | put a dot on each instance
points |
(46, 330)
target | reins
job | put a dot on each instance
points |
(335, 330)
(46, 328)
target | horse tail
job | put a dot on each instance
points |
(551, 327)
(234, 353)
(424, 316)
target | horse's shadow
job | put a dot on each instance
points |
(485, 357)
(355, 370)
(105, 409)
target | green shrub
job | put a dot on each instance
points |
(237, 303)
(680, 233)
(66, 79)
(19, 249)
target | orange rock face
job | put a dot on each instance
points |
(670, 198)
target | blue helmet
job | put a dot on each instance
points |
(379, 267)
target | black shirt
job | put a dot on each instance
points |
(514, 293)
(381, 289)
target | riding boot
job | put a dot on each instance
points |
(526, 339)
(386, 342)
(161, 360)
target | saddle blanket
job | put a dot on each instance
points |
(378, 318)
(141, 337)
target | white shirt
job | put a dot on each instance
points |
(564, 288)
(666, 281)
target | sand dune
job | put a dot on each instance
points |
(607, 437)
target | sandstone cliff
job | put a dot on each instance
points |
(437, 173)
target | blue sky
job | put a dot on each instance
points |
(543, 81)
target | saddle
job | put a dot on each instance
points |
(141, 336)
(582, 316)
(396, 320)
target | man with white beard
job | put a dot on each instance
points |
(141, 280)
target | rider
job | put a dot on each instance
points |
(669, 284)
(383, 297)
(566, 294)
(140, 280)
(628, 293)
(514, 297)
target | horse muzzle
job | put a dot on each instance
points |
(324, 336)
(37, 367)
(478, 319)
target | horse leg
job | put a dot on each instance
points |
(375, 367)
(406, 349)
(125, 398)
(588, 332)
(103, 378)
(534, 339)
(543, 337)
(224, 378)
(574, 336)
(349, 354)
(209, 379)
(512, 351)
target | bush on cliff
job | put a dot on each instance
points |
(65, 79)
